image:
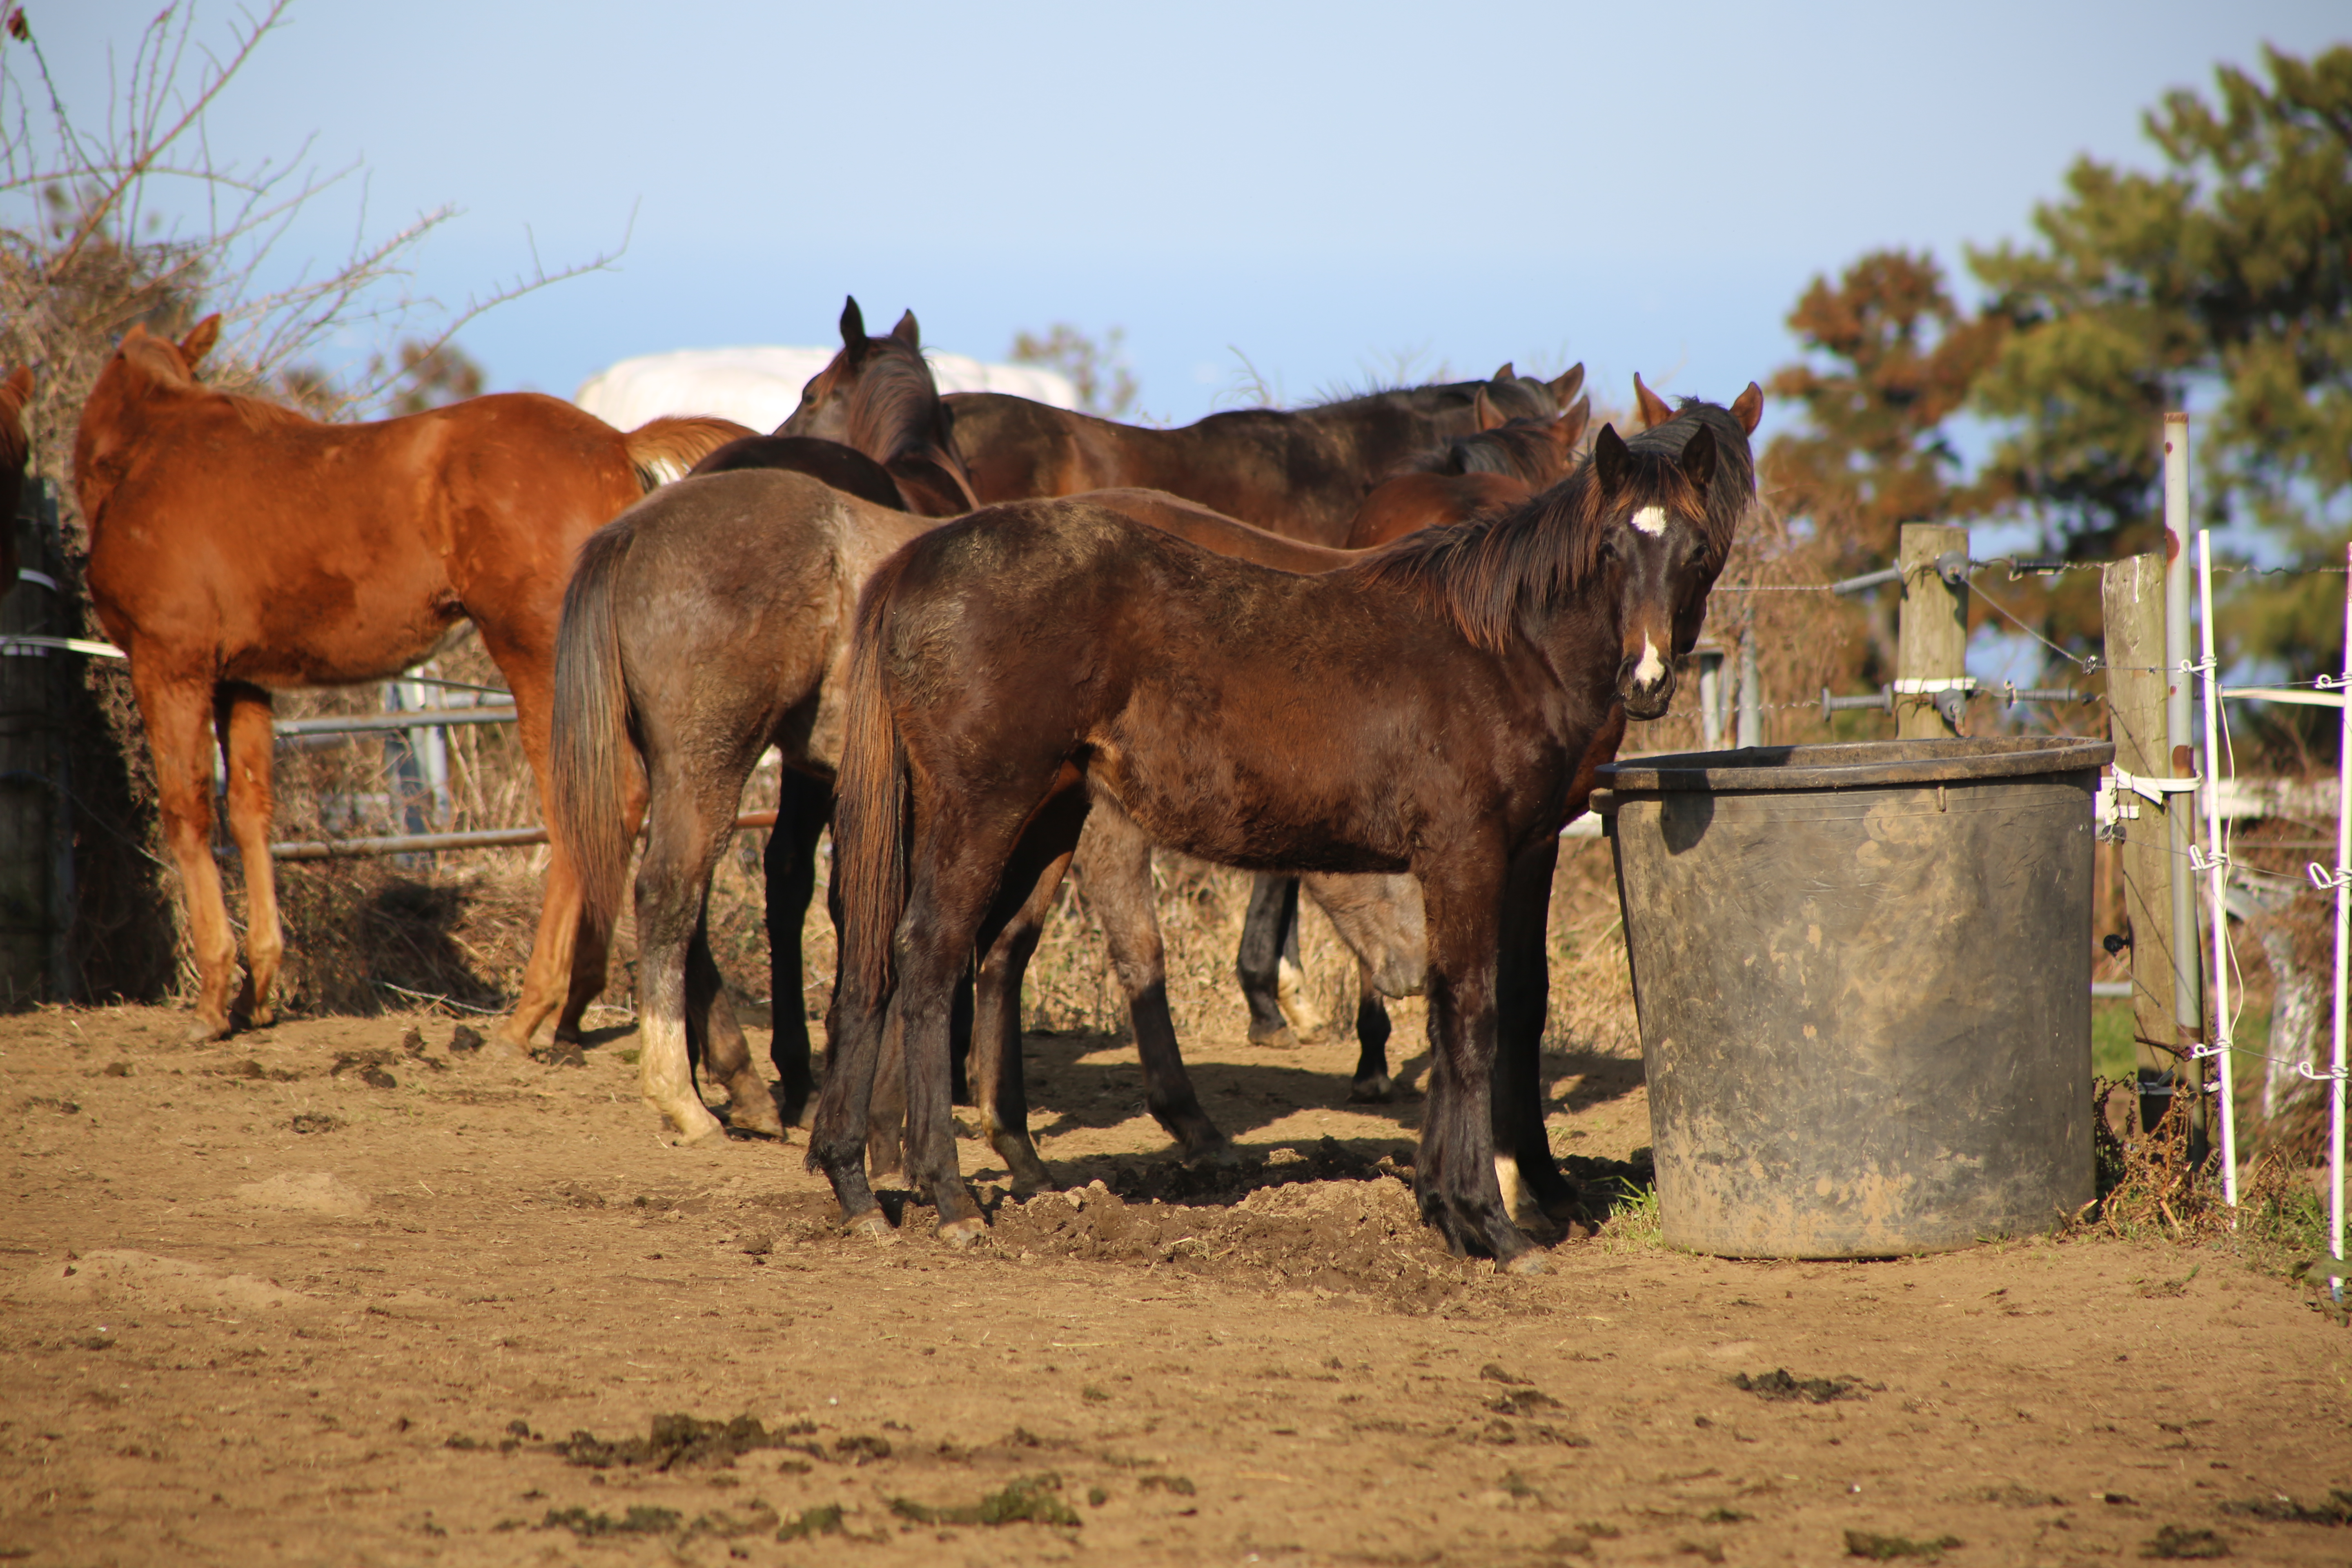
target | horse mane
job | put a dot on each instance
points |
(894, 405)
(257, 414)
(1489, 574)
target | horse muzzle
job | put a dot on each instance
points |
(1645, 682)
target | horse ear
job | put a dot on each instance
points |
(1568, 429)
(906, 332)
(1506, 374)
(1698, 460)
(1567, 384)
(1483, 411)
(1748, 407)
(853, 327)
(200, 341)
(1610, 457)
(1654, 411)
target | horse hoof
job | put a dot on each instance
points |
(963, 1233)
(1372, 1090)
(1528, 1262)
(1221, 1153)
(709, 1136)
(204, 1033)
(871, 1224)
(1277, 1037)
(758, 1117)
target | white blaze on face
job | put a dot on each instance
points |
(1651, 520)
(1652, 669)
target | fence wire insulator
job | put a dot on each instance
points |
(2325, 881)
(2203, 859)
(1883, 698)
(2029, 565)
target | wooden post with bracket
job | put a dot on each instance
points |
(1931, 636)
(2132, 602)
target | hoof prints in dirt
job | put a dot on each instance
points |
(1819, 1390)
(1889, 1548)
(677, 1439)
(1029, 1500)
(1359, 1237)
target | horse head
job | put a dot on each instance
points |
(142, 365)
(826, 402)
(1666, 530)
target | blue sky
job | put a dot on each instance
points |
(1340, 193)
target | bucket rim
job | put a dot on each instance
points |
(1856, 765)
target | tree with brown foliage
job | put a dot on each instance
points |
(1098, 369)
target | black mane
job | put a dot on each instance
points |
(1491, 574)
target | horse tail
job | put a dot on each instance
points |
(869, 816)
(664, 449)
(591, 732)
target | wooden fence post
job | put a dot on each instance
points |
(2132, 602)
(1932, 635)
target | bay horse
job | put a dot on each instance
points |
(710, 621)
(240, 548)
(1013, 668)
(877, 394)
(1299, 472)
(15, 451)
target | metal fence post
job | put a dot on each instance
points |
(2188, 987)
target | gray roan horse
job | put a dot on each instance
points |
(711, 621)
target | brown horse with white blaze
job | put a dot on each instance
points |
(238, 548)
(1012, 668)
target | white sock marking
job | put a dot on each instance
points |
(1651, 520)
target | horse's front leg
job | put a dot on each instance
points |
(249, 741)
(1454, 1176)
(1371, 1084)
(1523, 983)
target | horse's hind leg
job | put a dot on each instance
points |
(250, 744)
(685, 830)
(1371, 1084)
(1114, 866)
(726, 1054)
(954, 907)
(177, 711)
(1000, 1090)
(803, 806)
(1266, 930)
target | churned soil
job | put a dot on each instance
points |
(318, 1295)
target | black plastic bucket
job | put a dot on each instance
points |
(1864, 978)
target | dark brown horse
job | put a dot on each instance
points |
(1504, 463)
(1015, 669)
(15, 450)
(238, 548)
(711, 621)
(1299, 472)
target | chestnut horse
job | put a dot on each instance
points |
(711, 621)
(1015, 669)
(237, 547)
(15, 450)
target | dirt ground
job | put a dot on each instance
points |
(304, 1298)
